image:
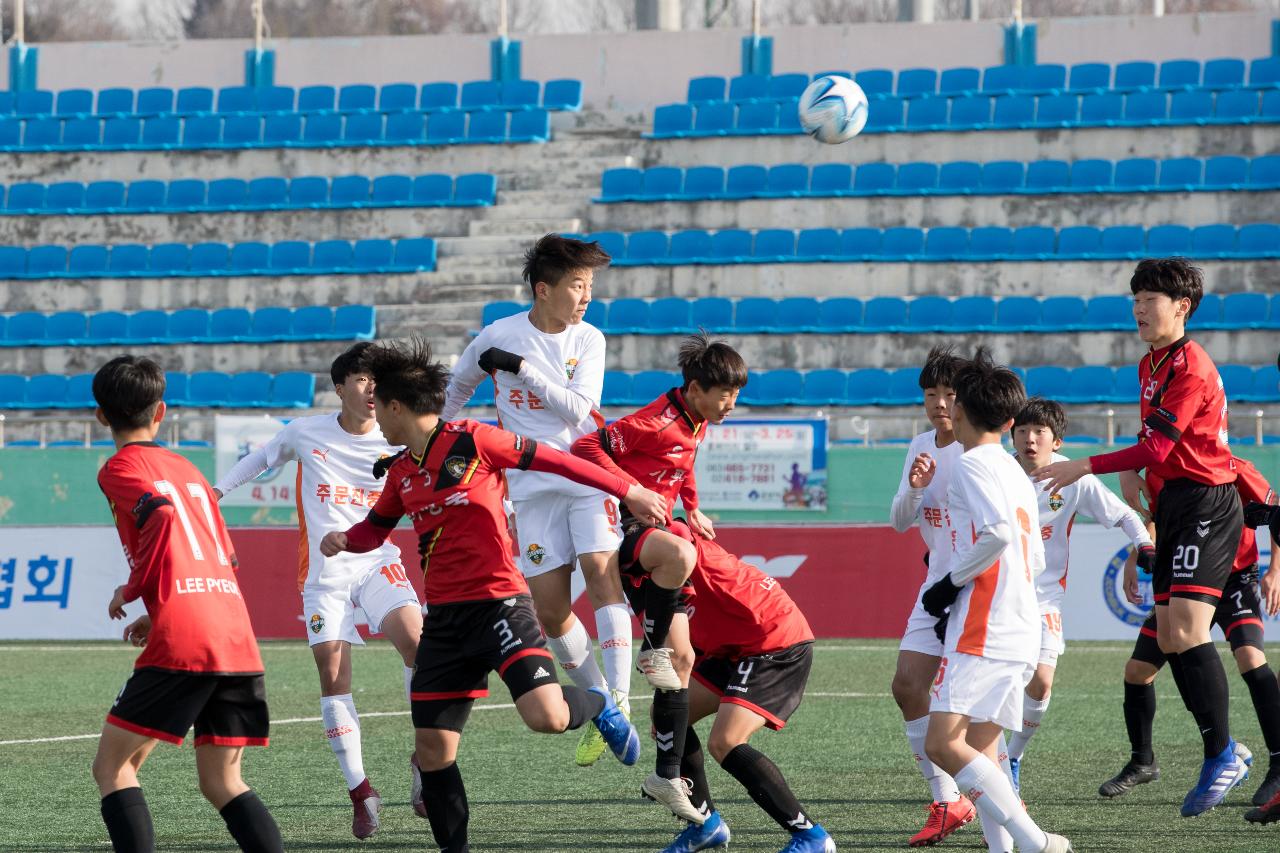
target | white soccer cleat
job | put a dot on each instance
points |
(674, 794)
(1057, 844)
(415, 788)
(657, 669)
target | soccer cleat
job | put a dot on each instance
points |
(1057, 844)
(944, 819)
(1130, 776)
(1268, 812)
(812, 840)
(616, 729)
(366, 804)
(1218, 776)
(415, 788)
(591, 745)
(657, 669)
(1270, 786)
(674, 794)
(1245, 755)
(1015, 774)
(712, 835)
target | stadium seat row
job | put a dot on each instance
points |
(983, 112)
(966, 314)
(225, 194)
(188, 326)
(210, 389)
(165, 260)
(1085, 78)
(357, 97)
(1030, 243)
(876, 387)
(960, 177)
(289, 130)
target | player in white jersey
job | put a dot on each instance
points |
(548, 373)
(922, 499)
(988, 601)
(336, 453)
(1037, 436)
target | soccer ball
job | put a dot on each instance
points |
(833, 109)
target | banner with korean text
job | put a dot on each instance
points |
(764, 465)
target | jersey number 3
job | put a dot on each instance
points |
(201, 497)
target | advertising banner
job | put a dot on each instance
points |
(764, 465)
(235, 437)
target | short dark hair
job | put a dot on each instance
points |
(940, 368)
(990, 394)
(349, 363)
(1174, 277)
(553, 257)
(128, 388)
(1041, 411)
(404, 371)
(711, 363)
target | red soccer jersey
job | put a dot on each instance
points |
(453, 494)
(1183, 400)
(655, 447)
(181, 563)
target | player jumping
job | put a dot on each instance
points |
(335, 455)
(548, 369)
(449, 481)
(200, 664)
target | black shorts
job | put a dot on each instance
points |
(461, 644)
(226, 710)
(772, 685)
(635, 582)
(1197, 534)
(1239, 615)
(634, 532)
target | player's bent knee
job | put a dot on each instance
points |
(1249, 658)
(1139, 672)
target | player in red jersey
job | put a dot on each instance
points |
(199, 665)
(656, 447)
(1198, 518)
(754, 650)
(1239, 616)
(449, 481)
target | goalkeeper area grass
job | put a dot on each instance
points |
(844, 753)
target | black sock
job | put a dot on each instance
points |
(693, 768)
(583, 705)
(446, 799)
(670, 728)
(251, 825)
(763, 781)
(1206, 681)
(128, 821)
(1139, 714)
(659, 606)
(1265, 693)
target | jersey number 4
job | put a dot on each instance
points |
(197, 492)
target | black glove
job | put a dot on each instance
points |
(1146, 558)
(499, 359)
(940, 596)
(1257, 514)
(940, 628)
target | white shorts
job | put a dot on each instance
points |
(330, 612)
(553, 529)
(1051, 642)
(920, 636)
(982, 689)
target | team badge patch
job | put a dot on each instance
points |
(535, 553)
(570, 367)
(1056, 502)
(456, 466)
(316, 623)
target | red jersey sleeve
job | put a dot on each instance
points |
(1251, 484)
(689, 492)
(591, 447)
(502, 449)
(143, 519)
(383, 517)
(1179, 403)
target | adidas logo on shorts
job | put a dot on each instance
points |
(541, 672)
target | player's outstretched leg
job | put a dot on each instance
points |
(618, 732)
(1139, 713)
(443, 792)
(1265, 693)
(713, 832)
(1196, 672)
(1034, 705)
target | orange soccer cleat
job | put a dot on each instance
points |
(944, 819)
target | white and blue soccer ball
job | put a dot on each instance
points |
(833, 109)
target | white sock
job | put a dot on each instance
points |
(1032, 713)
(408, 683)
(573, 651)
(342, 727)
(991, 792)
(942, 785)
(613, 627)
(998, 838)
(1002, 752)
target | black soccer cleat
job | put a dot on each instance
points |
(1130, 777)
(1270, 786)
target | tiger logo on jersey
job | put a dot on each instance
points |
(1056, 501)
(316, 623)
(456, 466)
(570, 367)
(535, 553)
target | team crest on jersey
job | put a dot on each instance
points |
(405, 484)
(535, 553)
(455, 427)
(456, 466)
(1056, 502)
(570, 367)
(316, 623)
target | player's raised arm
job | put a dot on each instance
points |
(465, 377)
(575, 402)
(594, 447)
(279, 450)
(1100, 503)
(917, 473)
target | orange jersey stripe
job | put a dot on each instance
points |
(304, 545)
(973, 640)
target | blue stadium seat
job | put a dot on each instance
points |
(746, 181)
(1089, 384)
(562, 94)
(12, 390)
(355, 97)
(824, 387)
(875, 81)
(913, 82)
(970, 313)
(432, 190)
(1169, 240)
(818, 244)
(397, 97)
(290, 256)
(1002, 79)
(1223, 73)
(839, 314)
(1133, 76)
(353, 322)
(755, 314)
(1047, 175)
(959, 81)
(732, 245)
(477, 188)
(26, 327)
(332, 256)
(748, 87)
(108, 327)
(1002, 176)
(1145, 108)
(274, 99)
(114, 101)
(830, 179)
(90, 260)
(648, 385)
(362, 127)
(1179, 74)
(904, 387)
(1266, 384)
(774, 244)
(1051, 381)
(1235, 106)
(230, 193)
(866, 387)
(1237, 380)
(271, 323)
(1045, 79)
(990, 244)
(1264, 72)
(1270, 106)
(247, 130)
(1062, 313)
(88, 132)
(314, 99)
(705, 89)
(690, 246)
(669, 315)
(1057, 110)
(405, 127)
(45, 391)
(713, 313)
(169, 259)
(1227, 173)
(928, 112)
(885, 114)
(647, 247)
(292, 389)
(1213, 241)
(661, 183)
(446, 128)
(902, 243)
(309, 191)
(1122, 241)
(349, 191)
(1194, 107)
(874, 178)
(597, 314)
(612, 242)
(1014, 111)
(415, 253)
(189, 325)
(235, 99)
(1245, 310)
(796, 314)
(494, 311)
(929, 313)
(35, 102)
(1090, 77)
(186, 194)
(104, 196)
(79, 396)
(946, 244)
(774, 388)
(884, 314)
(438, 96)
(250, 258)
(481, 94)
(1092, 175)
(74, 102)
(917, 178)
(42, 133)
(1258, 241)
(230, 324)
(623, 184)
(147, 327)
(13, 261)
(530, 126)
(64, 196)
(1136, 174)
(1102, 108)
(787, 180)
(757, 118)
(701, 182)
(47, 261)
(201, 131)
(190, 100)
(714, 119)
(858, 244)
(391, 190)
(959, 176)
(672, 120)
(1126, 385)
(971, 112)
(210, 258)
(786, 87)
(1208, 314)
(1110, 312)
(161, 132)
(267, 193)
(322, 129)
(176, 388)
(617, 388)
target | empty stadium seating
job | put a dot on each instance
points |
(206, 389)
(794, 180)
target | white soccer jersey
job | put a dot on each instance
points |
(996, 615)
(928, 506)
(335, 490)
(1058, 512)
(554, 400)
